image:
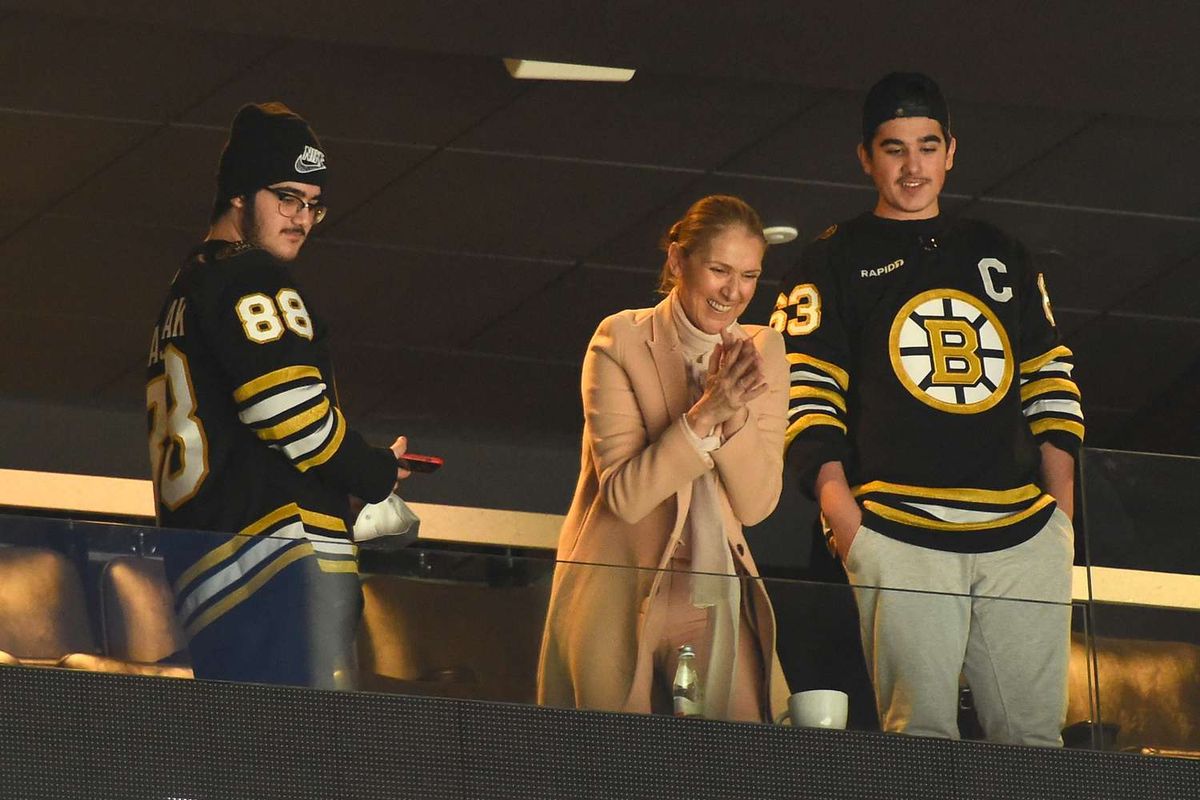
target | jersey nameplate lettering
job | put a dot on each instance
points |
(172, 328)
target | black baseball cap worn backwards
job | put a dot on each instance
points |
(268, 143)
(903, 94)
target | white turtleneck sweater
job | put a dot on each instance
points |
(714, 584)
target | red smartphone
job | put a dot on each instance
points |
(418, 463)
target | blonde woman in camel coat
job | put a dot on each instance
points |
(655, 438)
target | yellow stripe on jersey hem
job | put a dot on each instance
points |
(327, 452)
(323, 520)
(1036, 363)
(1035, 388)
(916, 521)
(266, 521)
(797, 392)
(988, 496)
(337, 566)
(226, 603)
(837, 373)
(293, 424)
(271, 379)
(1040, 426)
(292, 510)
(209, 560)
(808, 421)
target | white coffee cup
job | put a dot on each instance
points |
(819, 708)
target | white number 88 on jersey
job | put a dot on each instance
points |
(265, 319)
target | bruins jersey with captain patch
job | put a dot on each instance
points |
(924, 356)
(246, 435)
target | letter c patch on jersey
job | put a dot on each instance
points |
(992, 270)
(950, 351)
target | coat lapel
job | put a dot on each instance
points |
(664, 348)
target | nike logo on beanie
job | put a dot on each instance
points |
(311, 160)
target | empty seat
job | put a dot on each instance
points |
(44, 619)
(137, 614)
(1149, 689)
(94, 663)
(43, 615)
(452, 638)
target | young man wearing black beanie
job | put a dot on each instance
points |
(246, 435)
(934, 418)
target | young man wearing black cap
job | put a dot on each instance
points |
(934, 418)
(246, 435)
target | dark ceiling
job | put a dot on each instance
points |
(482, 226)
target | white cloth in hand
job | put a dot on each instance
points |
(389, 517)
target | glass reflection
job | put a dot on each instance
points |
(457, 622)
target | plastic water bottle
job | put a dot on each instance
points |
(685, 689)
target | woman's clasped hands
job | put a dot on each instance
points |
(736, 375)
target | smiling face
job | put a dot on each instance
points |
(715, 284)
(908, 162)
(262, 223)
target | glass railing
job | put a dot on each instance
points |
(1141, 511)
(469, 624)
(451, 623)
(1141, 519)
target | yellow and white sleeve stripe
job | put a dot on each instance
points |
(1050, 398)
(817, 395)
(289, 409)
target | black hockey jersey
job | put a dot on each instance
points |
(245, 431)
(924, 356)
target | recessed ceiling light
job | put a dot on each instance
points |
(553, 71)
(780, 234)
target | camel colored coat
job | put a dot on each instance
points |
(634, 490)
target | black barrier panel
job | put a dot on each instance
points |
(70, 734)
(1138, 510)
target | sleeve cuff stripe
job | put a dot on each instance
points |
(832, 370)
(289, 400)
(808, 421)
(1056, 369)
(307, 445)
(798, 376)
(294, 424)
(1037, 362)
(272, 379)
(818, 408)
(807, 392)
(1035, 388)
(1040, 426)
(1061, 405)
(329, 450)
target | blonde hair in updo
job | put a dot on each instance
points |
(708, 217)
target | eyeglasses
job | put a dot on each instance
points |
(290, 205)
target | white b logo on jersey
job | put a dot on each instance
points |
(951, 352)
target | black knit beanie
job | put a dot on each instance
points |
(268, 143)
(903, 94)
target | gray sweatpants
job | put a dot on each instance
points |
(928, 615)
